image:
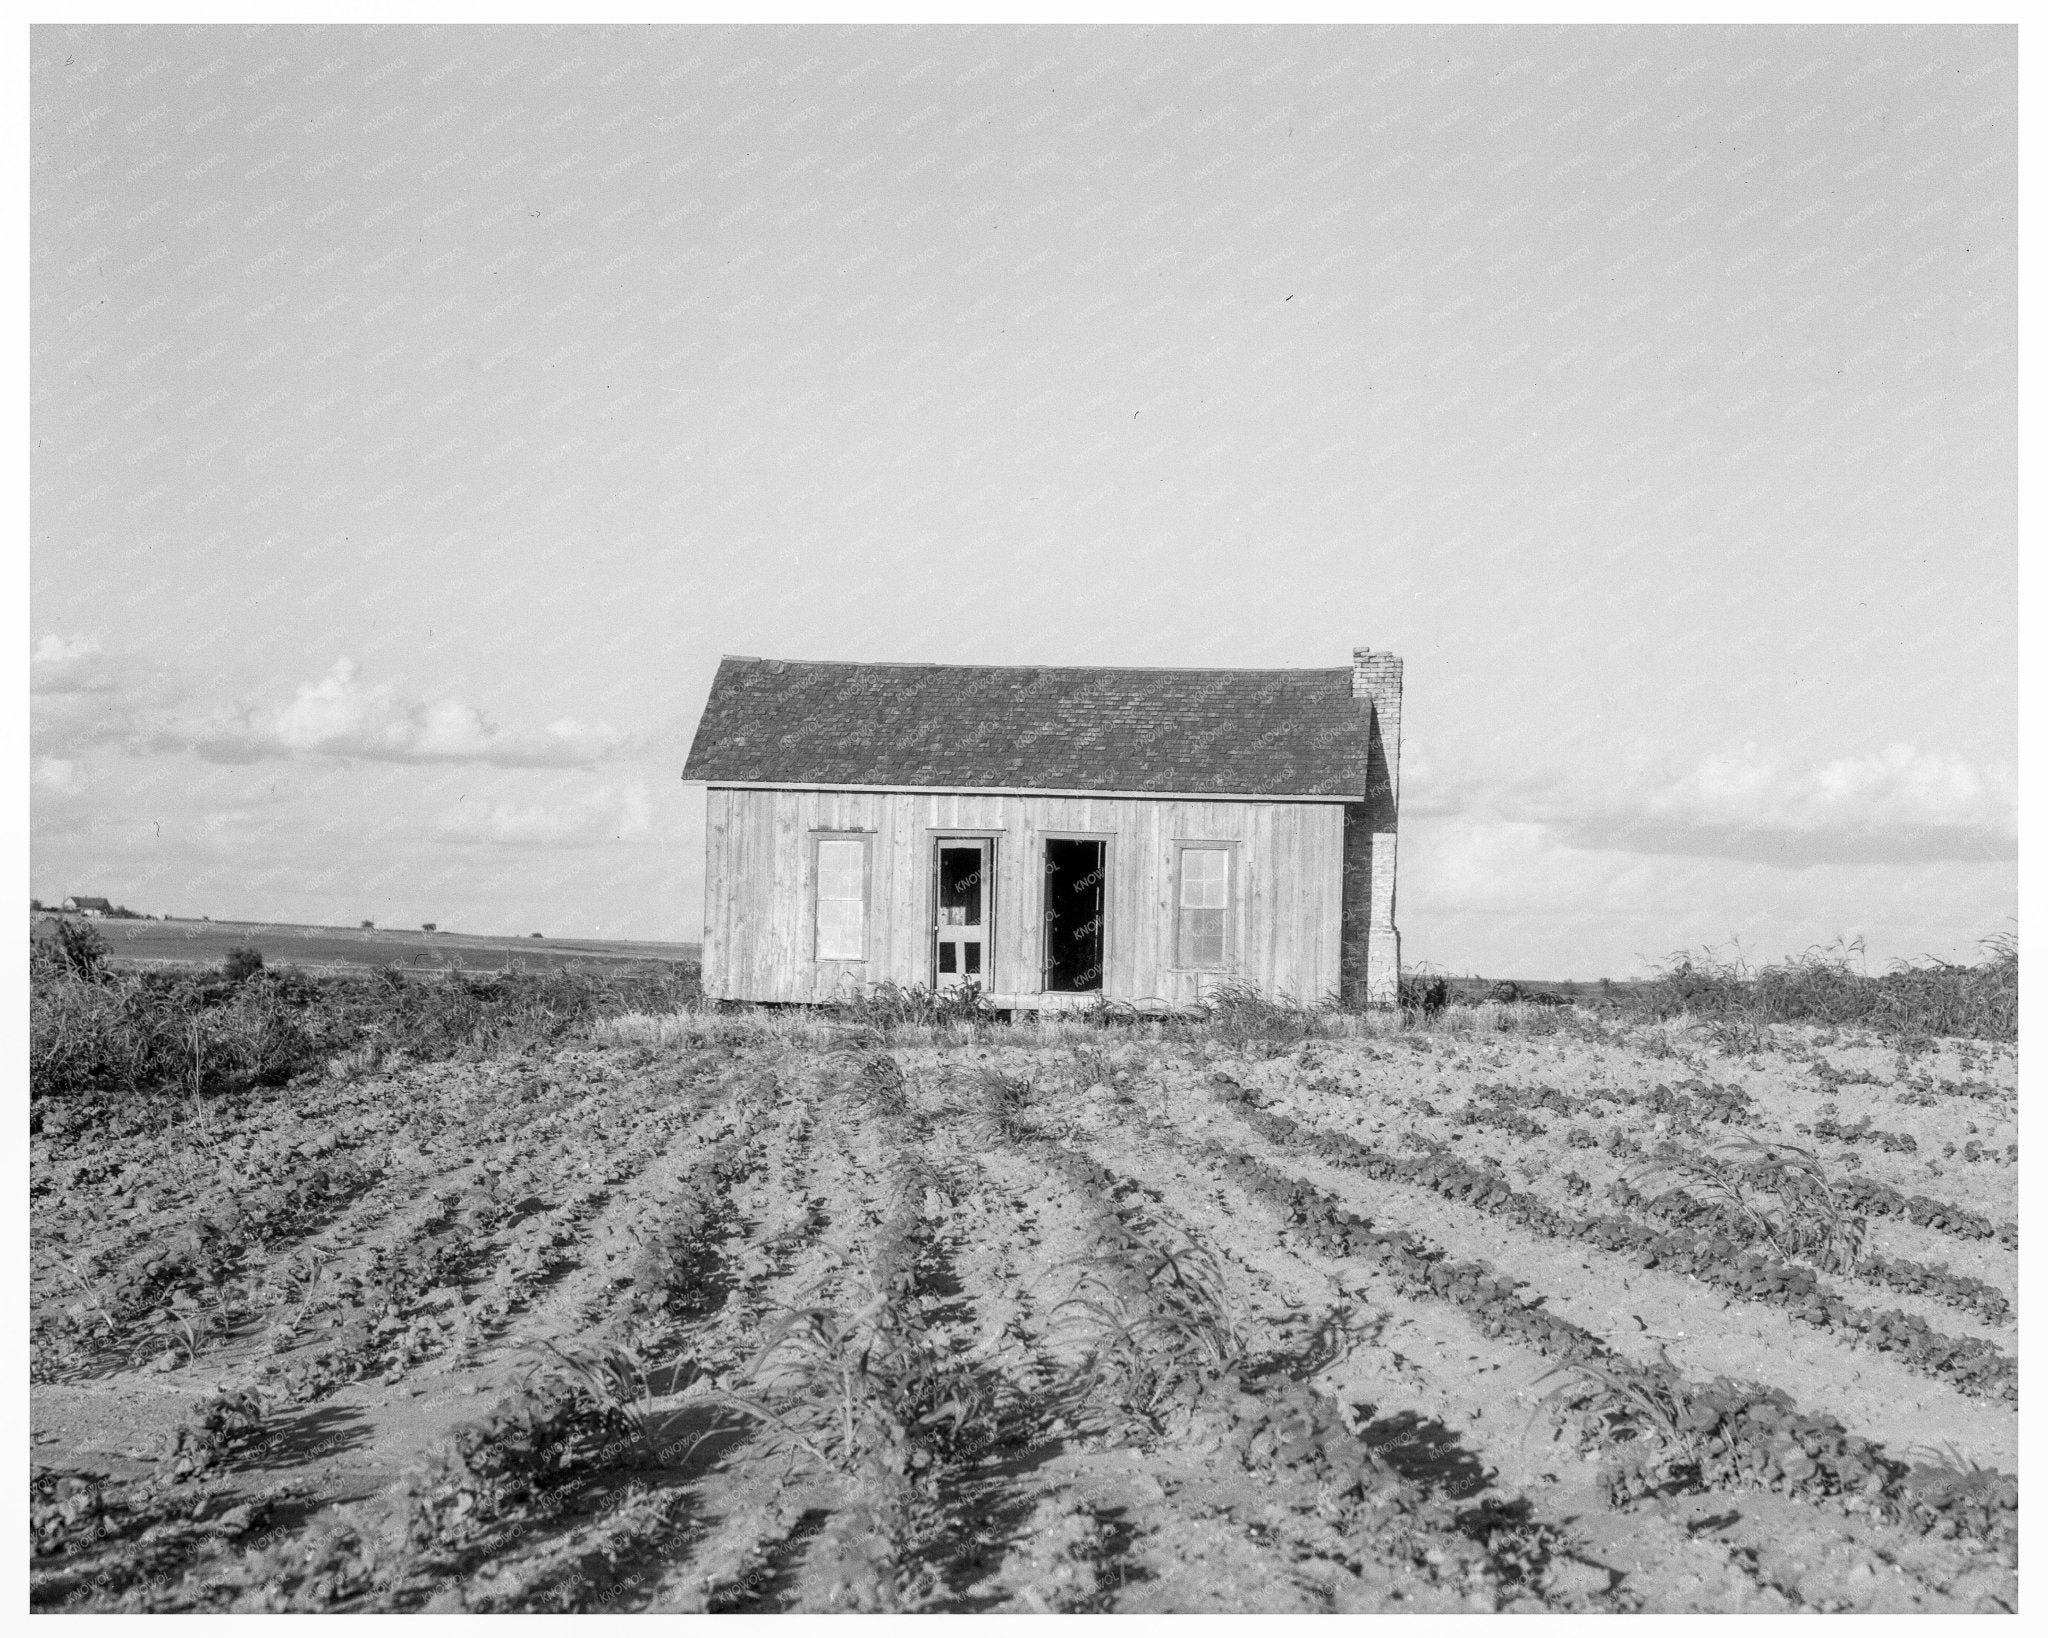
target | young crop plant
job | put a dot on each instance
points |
(1828, 1126)
(854, 1379)
(889, 1006)
(1972, 1365)
(1061, 1560)
(1639, 1414)
(1159, 1320)
(1661, 1432)
(877, 1080)
(1169, 1356)
(1780, 1190)
(1723, 1222)
(228, 1423)
(858, 1385)
(1653, 1418)
(674, 1275)
(617, 1379)
(1009, 1314)
(1002, 1113)
(1096, 1066)
(96, 1543)
(1882, 1200)
(545, 1434)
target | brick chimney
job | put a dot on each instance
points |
(1376, 677)
(1370, 964)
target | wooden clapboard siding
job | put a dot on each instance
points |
(758, 888)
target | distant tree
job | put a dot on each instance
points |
(369, 926)
(243, 961)
(35, 905)
(428, 927)
(536, 935)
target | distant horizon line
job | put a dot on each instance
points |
(421, 930)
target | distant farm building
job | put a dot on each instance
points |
(1053, 835)
(85, 905)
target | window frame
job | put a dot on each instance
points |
(866, 838)
(1232, 868)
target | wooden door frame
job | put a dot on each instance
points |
(1108, 839)
(937, 837)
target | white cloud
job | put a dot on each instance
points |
(1900, 805)
(340, 716)
(70, 665)
(81, 695)
(1433, 789)
(1516, 867)
(601, 816)
(57, 776)
(1900, 785)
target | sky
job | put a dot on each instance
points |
(419, 413)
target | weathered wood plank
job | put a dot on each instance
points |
(758, 913)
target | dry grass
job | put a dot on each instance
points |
(1827, 985)
(98, 1032)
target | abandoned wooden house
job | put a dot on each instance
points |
(1054, 835)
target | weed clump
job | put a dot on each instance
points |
(1827, 986)
(1424, 994)
(98, 1033)
(1241, 1015)
(74, 949)
(888, 1006)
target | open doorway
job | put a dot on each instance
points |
(961, 895)
(1074, 897)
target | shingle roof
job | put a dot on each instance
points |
(1253, 733)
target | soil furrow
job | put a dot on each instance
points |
(787, 1315)
(1504, 1411)
(1528, 1169)
(1647, 1314)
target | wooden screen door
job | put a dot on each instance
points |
(960, 953)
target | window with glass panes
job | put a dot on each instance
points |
(1203, 934)
(841, 874)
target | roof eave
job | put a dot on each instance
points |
(1336, 797)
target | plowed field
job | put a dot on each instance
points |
(752, 1313)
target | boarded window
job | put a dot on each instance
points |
(842, 899)
(1204, 907)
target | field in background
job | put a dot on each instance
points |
(572, 1306)
(206, 943)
